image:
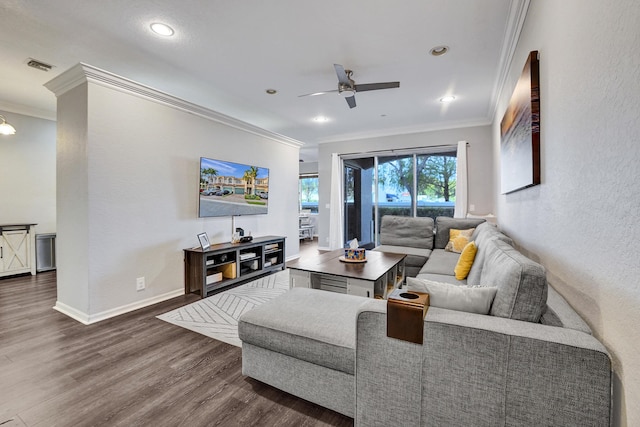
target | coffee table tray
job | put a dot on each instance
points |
(356, 261)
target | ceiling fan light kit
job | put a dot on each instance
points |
(346, 92)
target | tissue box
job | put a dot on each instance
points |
(354, 254)
(405, 315)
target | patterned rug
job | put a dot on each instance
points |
(217, 316)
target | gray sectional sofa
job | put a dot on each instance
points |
(530, 361)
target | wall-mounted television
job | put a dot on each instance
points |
(232, 189)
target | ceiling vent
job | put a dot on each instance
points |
(34, 63)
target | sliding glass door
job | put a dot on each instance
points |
(417, 183)
(359, 201)
(436, 184)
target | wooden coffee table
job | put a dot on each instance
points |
(377, 277)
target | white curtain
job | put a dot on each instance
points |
(461, 181)
(336, 218)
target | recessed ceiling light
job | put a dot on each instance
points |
(447, 98)
(271, 91)
(439, 50)
(162, 29)
(321, 119)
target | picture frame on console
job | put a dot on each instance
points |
(520, 131)
(204, 241)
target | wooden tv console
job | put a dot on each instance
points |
(227, 264)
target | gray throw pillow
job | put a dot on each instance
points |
(453, 297)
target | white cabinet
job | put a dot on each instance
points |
(17, 249)
(299, 279)
(363, 288)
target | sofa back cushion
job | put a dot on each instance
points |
(521, 283)
(483, 233)
(444, 224)
(407, 231)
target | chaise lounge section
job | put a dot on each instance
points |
(530, 360)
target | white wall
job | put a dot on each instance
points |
(128, 196)
(581, 223)
(480, 164)
(72, 255)
(28, 171)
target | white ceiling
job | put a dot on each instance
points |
(226, 53)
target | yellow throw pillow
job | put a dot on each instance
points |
(458, 239)
(465, 261)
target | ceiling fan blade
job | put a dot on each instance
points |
(351, 100)
(342, 74)
(376, 86)
(319, 93)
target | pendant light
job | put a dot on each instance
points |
(6, 128)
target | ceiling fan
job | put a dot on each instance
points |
(348, 88)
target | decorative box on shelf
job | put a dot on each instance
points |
(214, 278)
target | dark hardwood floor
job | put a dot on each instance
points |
(131, 370)
(309, 248)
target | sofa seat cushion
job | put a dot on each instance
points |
(309, 324)
(409, 251)
(521, 283)
(441, 262)
(559, 313)
(416, 257)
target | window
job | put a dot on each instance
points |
(428, 192)
(308, 192)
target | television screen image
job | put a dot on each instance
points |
(232, 189)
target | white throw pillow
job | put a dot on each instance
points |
(453, 297)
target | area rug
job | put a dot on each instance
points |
(217, 316)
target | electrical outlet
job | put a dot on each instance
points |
(472, 208)
(140, 284)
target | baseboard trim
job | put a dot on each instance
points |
(89, 319)
(78, 315)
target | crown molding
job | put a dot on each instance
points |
(26, 110)
(406, 130)
(81, 73)
(517, 14)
